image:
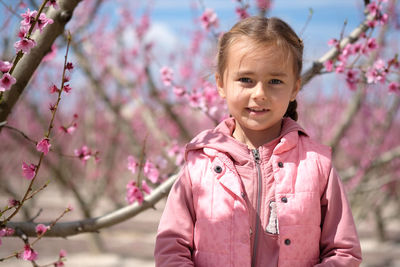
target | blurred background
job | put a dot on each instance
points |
(142, 86)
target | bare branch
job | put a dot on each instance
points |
(380, 161)
(95, 224)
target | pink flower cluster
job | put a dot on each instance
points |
(85, 153)
(151, 172)
(41, 229)
(25, 44)
(375, 9)
(166, 75)
(242, 12)
(29, 254)
(6, 82)
(29, 171)
(149, 169)
(43, 146)
(263, 4)
(61, 258)
(209, 19)
(6, 232)
(134, 193)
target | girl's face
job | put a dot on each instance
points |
(258, 83)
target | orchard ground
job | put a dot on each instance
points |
(131, 243)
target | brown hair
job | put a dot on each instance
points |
(264, 31)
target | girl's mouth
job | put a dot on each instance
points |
(256, 110)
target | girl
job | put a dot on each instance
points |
(257, 190)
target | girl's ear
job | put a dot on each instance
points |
(296, 90)
(220, 85)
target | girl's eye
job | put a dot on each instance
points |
(245, 80)
(275, 81)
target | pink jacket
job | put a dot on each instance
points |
(206, 220)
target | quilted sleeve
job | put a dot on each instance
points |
(174, 241)
(339, 243)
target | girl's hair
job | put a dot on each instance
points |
(264, 31)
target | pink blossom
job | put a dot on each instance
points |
(41, 229)
(67, 88)
(209, 19)
(6, 231)
(352, 79)
(44, 146)
(63, 253)
(372, 44)
(70, 129)
(166, 75)
(145, 187)
(328, 65)
(13, 202)
(132, 164)
(373, 8)
(6, 82)
(195, 99)
(263, 4)
(179, 91)
(53, 89)
(29, 254)
(340, 67)
(151, 171)
(83, 153)
(69, 66)
(29, 171)
(133, 193)
(394, 87)
(357, 48)
(59, 263)
(333, 42)
(24, 45)
(43, 21)
(379, 65)
(373, 75)
(242, 12)
(23, 30)
(5, 66)
(28, 17)
(52, 3)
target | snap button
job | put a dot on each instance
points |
(287, 242)
(218, 169)
(242, 194)
(284, 199)
(280, 164)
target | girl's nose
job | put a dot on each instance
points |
(259, 92)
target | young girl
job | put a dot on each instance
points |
(257, 190)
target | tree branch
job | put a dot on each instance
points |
(318, 65)
(29, 63)
(95, 224)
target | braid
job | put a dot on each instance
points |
(291, 110)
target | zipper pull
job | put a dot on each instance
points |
(256, 155)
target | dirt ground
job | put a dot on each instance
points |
(131, 243)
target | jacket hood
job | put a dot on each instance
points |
(221, 139)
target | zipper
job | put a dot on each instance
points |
(256, 156)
